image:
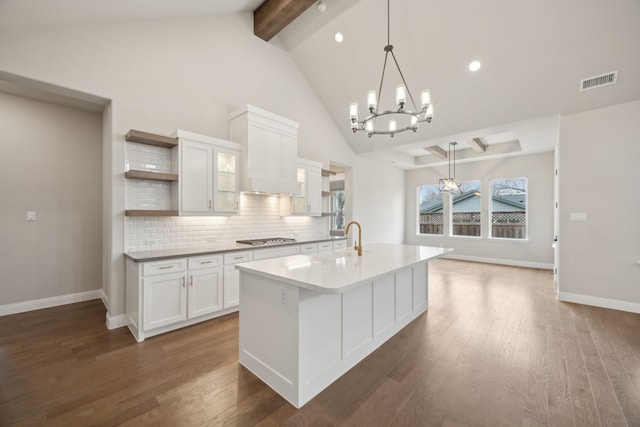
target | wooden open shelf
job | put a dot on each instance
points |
(151, 176)
(328, 214)
(328, 193)
(139, 212)
(151, 139)
(327, 172)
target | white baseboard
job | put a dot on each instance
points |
(117, 321)
(515, 263)
(632, 307)
(21, 307)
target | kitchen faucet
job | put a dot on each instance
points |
(358, 244)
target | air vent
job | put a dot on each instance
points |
(599, 81)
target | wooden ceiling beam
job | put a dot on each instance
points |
(273, 15)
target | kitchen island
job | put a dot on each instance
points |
(305, 320)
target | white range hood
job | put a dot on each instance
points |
(269, 150)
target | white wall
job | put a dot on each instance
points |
(536, 252)
(181, 74)
(50, 164)
(599, 175)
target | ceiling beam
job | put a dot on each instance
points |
(437, 151)
(477, 145)
(273, 15)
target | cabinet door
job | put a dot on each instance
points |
(196, 177)
(299, 200)
(227, 182)
(231, 286)
(205, 291)
(314, 191)
(164, 300)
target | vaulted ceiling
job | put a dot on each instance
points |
(533, 56)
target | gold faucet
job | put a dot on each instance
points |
(358, 244)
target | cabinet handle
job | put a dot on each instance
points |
(183, 282)
(206, 262)
(191, 281)
(308, 208)
(209, 204)
(164, 267)
(237, 205)
(238, 257)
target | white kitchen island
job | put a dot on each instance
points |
(305, 320)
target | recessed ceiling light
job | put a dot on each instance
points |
(474, 65)
(339, 37)
(322, 6)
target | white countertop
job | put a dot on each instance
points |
(339, 271)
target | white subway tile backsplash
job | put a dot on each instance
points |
(259, 216)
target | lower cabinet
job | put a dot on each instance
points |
(178, 292)
(170, 294)
(232, 277)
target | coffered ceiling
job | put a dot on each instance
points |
(533, 56)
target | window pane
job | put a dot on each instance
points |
(509, 208)
(430, 219)
(465, 210)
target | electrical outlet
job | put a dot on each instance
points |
(284, 296)
(31, 216)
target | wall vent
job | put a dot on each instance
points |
(599, 81)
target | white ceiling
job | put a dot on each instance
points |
(533, 54)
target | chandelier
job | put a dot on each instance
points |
(398, 119)
(450, 185)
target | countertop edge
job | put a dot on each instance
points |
(146, 256)
(343, 289)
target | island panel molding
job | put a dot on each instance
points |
(305, 320)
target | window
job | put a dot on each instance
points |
(430, 214)
(465, 210)
(509, 208)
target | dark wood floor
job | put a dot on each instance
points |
(494, 349)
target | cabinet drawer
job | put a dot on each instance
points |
(236, 257)
(261, 254)
(339, 244)
(166, 266)
(206, 261)
(325, 247)
(309, 248)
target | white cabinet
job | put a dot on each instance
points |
(339, 244)
(275, 252)
(165, 300)
(196, 177)
(209, 175)
(227, 179)
(269, 150)
(309, 248)
(232, 277)
(307, 200)
(205, 292)
(325, 247)
(169, 294)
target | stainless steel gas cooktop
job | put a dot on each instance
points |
(267, 241)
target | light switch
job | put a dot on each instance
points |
(578, 217)
(31, 216)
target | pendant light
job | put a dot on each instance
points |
(450, 185)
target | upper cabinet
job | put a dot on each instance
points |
(209, 175)
(269, 150)
(307, 199)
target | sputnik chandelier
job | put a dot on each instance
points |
(399, 119)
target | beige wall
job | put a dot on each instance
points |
(536, 252)
(600, 176)
(50, 164)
